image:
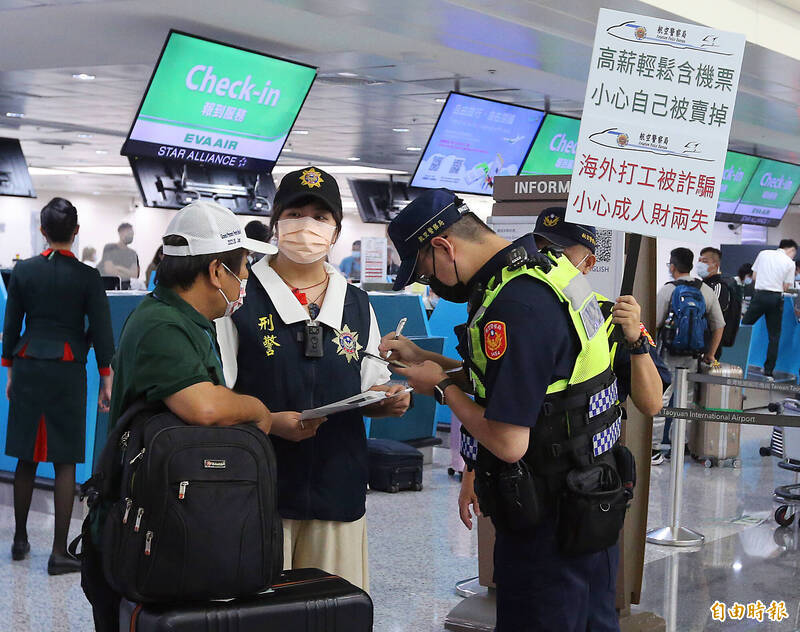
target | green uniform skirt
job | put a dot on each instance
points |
(47, 411)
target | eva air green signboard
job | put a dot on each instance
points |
(216, 104)
(739, 169)
(769, 193)
(553, 151)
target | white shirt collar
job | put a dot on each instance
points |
(287, 305)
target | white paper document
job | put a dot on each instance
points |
(351, 403)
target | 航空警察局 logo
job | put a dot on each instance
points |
(622, 139)
(640, 32)
(550, 221)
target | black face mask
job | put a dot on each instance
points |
(458, 293)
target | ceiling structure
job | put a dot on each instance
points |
(383, 66)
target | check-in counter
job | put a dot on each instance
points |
(750, 350)
(444, 318)
(121, 305)
(420, 421)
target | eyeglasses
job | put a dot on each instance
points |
(424, 279)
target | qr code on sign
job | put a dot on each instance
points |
(603, 248)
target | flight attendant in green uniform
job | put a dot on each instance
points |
(54, 293)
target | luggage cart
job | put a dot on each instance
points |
(785, 445)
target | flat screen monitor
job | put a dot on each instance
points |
(771, 189)
(553, 151)
(165, 184)
(739, 170)
(379, 201)
(14, 177)
(474, 140)
(218, 105)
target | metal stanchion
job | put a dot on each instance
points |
(675, 534)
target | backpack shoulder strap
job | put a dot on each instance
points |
(101, 479)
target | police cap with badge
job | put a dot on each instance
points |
(429, 215)
(552, 225)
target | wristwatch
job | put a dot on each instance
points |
(440, 388)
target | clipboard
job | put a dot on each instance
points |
(350, 403)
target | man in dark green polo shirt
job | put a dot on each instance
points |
(168, 351)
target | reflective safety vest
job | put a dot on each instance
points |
(580, 419)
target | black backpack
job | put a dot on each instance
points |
(731, 304)
(195, 514)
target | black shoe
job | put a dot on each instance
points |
(61, 565)
(20, 549)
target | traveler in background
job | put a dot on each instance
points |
(153, 267)
(168, 351)
(350, 266)
(797, 274)
(119, 259)
(89, 257)
(744, 279)
(259, 231)
(54, 293)
(708, 269)
(268, 352)
(707, 325)
(773, 273)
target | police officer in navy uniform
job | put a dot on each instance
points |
(298, 343)
(640, 372)
(546, 416)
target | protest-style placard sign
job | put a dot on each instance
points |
(655, 125)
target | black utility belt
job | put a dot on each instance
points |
(590, 502)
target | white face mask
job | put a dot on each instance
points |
(304, 239)
(702, 269)
(580, 263)
(234, 305)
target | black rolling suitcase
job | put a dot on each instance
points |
(394, 465)
(303, 600)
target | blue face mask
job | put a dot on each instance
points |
(797, 277)
(748, 281)
(702, 269)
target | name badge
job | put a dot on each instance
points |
(592, 317)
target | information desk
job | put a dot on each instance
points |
(121, 305)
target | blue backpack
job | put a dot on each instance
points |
(686, 324)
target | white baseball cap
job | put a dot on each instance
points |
(210, 228)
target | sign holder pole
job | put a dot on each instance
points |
(675, 534)
(631, 261)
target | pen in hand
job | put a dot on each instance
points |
(397, 332)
